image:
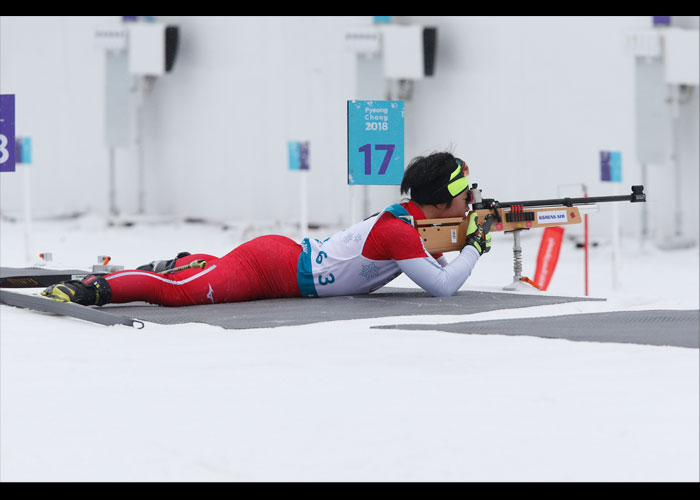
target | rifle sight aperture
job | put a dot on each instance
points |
(638, 194)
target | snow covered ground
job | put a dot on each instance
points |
(340, 401)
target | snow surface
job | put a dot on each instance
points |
(339, 401)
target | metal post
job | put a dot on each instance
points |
(112, 189)
(517, 284)
(517, 257)
(27, 213)
(585, 246)
(138, 139)
(645, 213)
(677, 240)
(675, 163)
(303, 208)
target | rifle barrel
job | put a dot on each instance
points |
(636, 196)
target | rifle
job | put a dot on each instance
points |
(449, 234)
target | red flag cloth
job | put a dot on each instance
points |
(548, 255)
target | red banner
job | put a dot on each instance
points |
(548, 255)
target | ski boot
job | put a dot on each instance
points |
(90, 291)
(158, 266)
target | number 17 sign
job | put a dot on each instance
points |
(375, 142)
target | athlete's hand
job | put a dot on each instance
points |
(479, 235)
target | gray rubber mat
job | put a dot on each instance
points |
(300, 311)
(662, 328)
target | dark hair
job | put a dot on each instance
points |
(426, 175)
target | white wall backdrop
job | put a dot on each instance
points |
(527, 102)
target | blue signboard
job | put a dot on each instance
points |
(661, 20)
(298, 155)
(7, 133)
(23, 150)
(375, 142)
(611, 166)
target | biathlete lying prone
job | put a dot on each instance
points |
(358, 260)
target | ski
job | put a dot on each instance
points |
(35, 277)
(43, 304)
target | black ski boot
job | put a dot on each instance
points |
(90, 291)
(158, 266)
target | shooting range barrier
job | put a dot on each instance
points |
(674, 328)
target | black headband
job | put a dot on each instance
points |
(444, 188)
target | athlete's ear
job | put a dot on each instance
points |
(440, 206)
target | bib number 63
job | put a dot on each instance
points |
(321, 280)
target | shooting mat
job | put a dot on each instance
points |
(301, 311)
(678, 328)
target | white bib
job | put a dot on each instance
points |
(336, 266)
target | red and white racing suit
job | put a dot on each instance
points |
(358, 260)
